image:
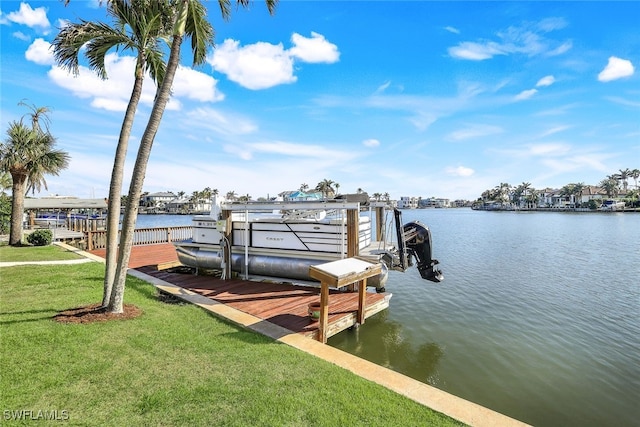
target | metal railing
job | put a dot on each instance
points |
(142, 236)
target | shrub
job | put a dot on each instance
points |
(40, 238)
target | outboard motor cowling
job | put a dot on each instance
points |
(418, 242)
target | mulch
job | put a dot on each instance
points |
(96, 313)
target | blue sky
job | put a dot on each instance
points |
(416, 98)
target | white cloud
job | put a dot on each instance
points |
(460, 171)
(474, 131)
(382, 88)
(21, 36)
(476, 51)
(452, 29)
(554, 130)
(563, 48)
(34, 18)
(257, 66)
(113, 93)
(221, 123)
(552, 149)
(616, 69)
(529, 39)
(371, 143)
(546, 81)
(193, 84)
(39, 52)
(315, 49)
(526, 94)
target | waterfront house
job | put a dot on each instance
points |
(408, 202)
(156, 201)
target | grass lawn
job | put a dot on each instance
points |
(35, 253)
(174, 365)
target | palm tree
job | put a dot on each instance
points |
(635, 174)
(231, 195)
(610, 186)
(28, 154)
(304, 187)
(325, 187)
(190, 20)
(577, 193)
(139, 25)
(624, 175)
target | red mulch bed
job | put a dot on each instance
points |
(96, 313)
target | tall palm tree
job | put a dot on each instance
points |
(28, 154)
(190, 20)
(139, 26)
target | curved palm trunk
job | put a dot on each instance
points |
(17, 209)
(115, 188)
(139, 171)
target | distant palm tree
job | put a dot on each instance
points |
(139, 25)
(577, 193)
(635, 174)
(28, 155)
(231, 195)
(610, 185)
(325, 187)
(304, 187)
(624, 175)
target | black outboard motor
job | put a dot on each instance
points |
(417, 238)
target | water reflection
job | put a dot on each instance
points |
(382, 341)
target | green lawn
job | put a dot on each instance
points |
(174, 365)
(35, 253)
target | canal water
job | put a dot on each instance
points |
(538, 317)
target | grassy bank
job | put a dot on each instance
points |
(174, 365)
(35, 253)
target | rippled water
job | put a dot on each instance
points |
(538, 316)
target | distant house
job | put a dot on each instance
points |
(408, 202)
(300, 196)
(157, 200)
(433, 202)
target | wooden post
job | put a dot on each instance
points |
(353, 235)
(89, 237)
(323, 322)
(379, 223)
(362, 300)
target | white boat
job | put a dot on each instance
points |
(612, 206)
(280, 240)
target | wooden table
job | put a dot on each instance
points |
(339, 274)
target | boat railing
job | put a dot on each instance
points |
(143, 236)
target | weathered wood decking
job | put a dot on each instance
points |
(285, 305)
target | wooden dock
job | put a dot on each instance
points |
(285, 305)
